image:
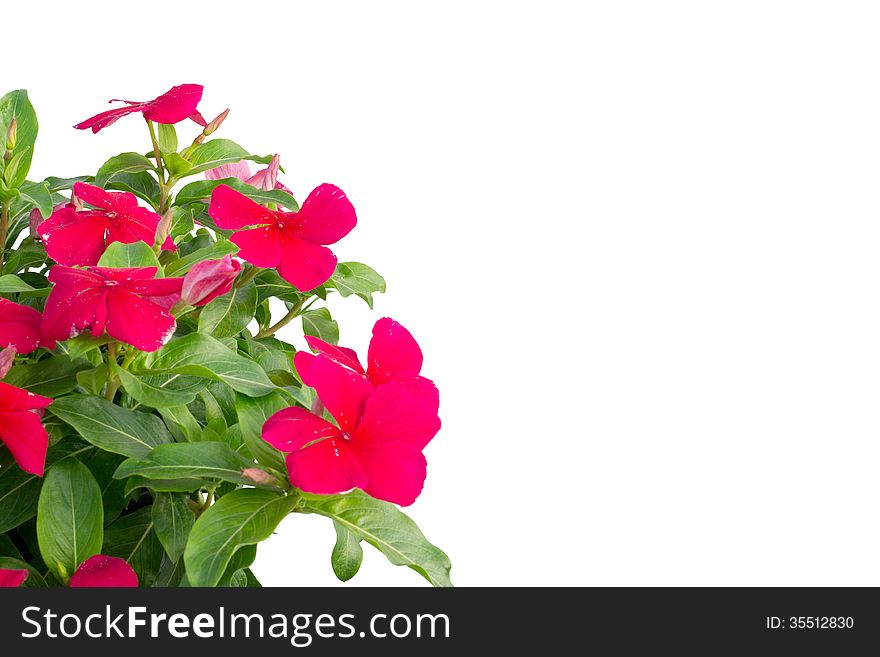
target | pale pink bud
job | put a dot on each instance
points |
(215, 123)
(208, 280)
(7, 358)
(35, 218)
(163, 230)
(259, 476)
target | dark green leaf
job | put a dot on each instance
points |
(141, 184)
(111, 427)
(252, 415)
(133, 538)
(173, 520)
(50, 377)
(202, 189)
(160, 390)
(213, 252)
(203, 461)
(121, 164)
(242, 517)
(228, 315)
(347, 553)
(386, 528)
(70, 518)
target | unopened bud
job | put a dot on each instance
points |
(163, 230)
(259, 476)
(11, 133)
(208, 280)
(7, 358)
(35, 218)
(215, 123)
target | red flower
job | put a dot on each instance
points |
(129, 303)
(101, 571)
(80, 238)
(12, 578)
(175, 105)
(21, 429)
(20, 328)
(394, 356)
(290, 241)
(208, 280)
(376, 447)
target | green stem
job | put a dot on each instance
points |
(284, 321)
(247, 276)
(113, 381)
(164, 186)
(4, 228)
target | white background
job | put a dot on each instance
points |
(637, 241)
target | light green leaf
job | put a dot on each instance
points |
(202, 189)
(136, 254)
(198, 354)
(12, 284)
(111, 427)
(50, 377)
(173, 520)
(347, 554)
(358, 279)
(121, 164)
(167, 137)
(242, 517)
(228, 315)
(214, 252)
(213, 153)
(176, 165)
(320, 324)
(386, 528)
(140, 183)
(160, 390)
(70, 518)
(38, 195)
(16, 105)
(203, 461)
(252, 415)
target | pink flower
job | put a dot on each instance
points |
(208, 280)
(394, 356)
(12, 578)
(376, 447)
(264, 179)
(129, 303)
(290, 241)
(80, 238)
(21, 429)
(175, 105)
(101, 571)
(20, 328)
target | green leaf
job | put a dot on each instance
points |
(320, 324)
(270, 284)
(167, 137)
(202, 189)
(136, 254)
(19, 490)
(200, 355)
(50, 377)
(31, 254)
(173, 520)
(12, 284)
(347, 553)
(134, 539)
(70, 518)
(38, 195)
(206, 460)
(213, 153)
(358, 279)
(141, 184)
(93, 380)
(170, 573)
(214, 252)
(176, 165)
(111, 427)
(234, 575)
(242, 517)
(181, 423)
(386, 528)
(16, 105)
(121, 164)
(164, 485)
(160, 390)
(228, 315)
(57, 184)
(252, 415)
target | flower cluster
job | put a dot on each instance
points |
(138, 344)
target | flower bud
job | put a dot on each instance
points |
(11, 133)
(208, 280)
(7, 358)
(35, 218)
(259, 476)
(163, 230)
(215, 123)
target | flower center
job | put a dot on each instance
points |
(279, 224)
(111, 215)
(346, 435)
(111, 283)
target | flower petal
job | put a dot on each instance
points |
(424, 389)
(303, 264)
(230, 209)
(104, 119)
(134, 225)
(76, 301)
(102, 571)
(393, 352)
(14, 399)
(74, 238)
(239, 170)
(342, 391)
(175, 105)
(138, 322)
(326, 216)
(394, 416)
(293, 428)
(394, 475)
(20, 327)
(258, 246)
(23, 433)
(325, 468)
(267, 178)
(12, 578)
(342, 355)
(94, 195)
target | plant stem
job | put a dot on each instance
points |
(113, 381)
(247, 276)
(164, 186)
(284, 321)
(4, 228)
